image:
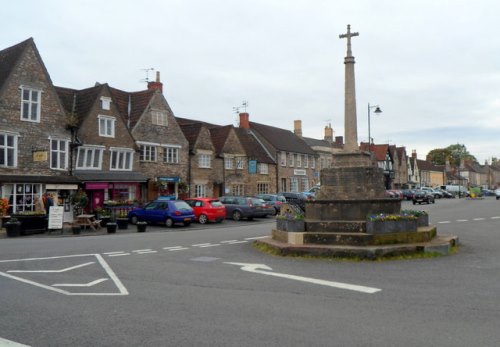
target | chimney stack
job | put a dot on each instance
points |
(414, 153)
(297, 128)
(157, 85)
(329, 133)
(244, 120)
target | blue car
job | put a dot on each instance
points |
(163, 211)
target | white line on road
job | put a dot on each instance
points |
(228, 241)
(444, 222)
(462, 220)
(255, 238)
(90, 284)
(9, 343)
(210, 245)
(146, 252)
(118, 254)
(200, 244)
(478, 219)
(236, 242)
(142, 250)
(108, 253)
(175, 248)
(258, 268)
(496, 217)
(53, 271)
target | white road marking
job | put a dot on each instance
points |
(228, 241)
(146, 252)
(108, 253)
(118, 254)
(444, 222)
(496, 217)
(9, 343)
(178, 249)
(462, 220)
(175, 248)
(258, 268)
(142, 250)
(90, 284)
(255, 238)
(478, 219)
(236, 242)
(55, 271)
(200, 244)
(210, 245)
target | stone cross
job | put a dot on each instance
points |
(350, 118)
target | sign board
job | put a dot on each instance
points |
(40, 156)
(252, 166)
(56, 217)
(299, 172)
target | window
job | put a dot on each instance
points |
(321, 163)
(283, 185)
(263, 168)
(237, 189)
(306, 161)
(240, 163)
(148, 153)
(159, 118)
(30, 108)
(22, 197)
(8, 150)
(305, 184)
(204, 160)
(106, 126)
(290, 159)
(313, 162)
(171, 155)
(200, 190)
(58, 154)
(283, 158)
(105, 103)
(262, 188)
(228, 163)
(89, 158)
(121, 159)
(298, 160)
(294, 186)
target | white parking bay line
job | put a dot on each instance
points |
(118, 254)
(9, 343)
(255, 238)
(108, 253)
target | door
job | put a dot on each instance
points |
(97, 199)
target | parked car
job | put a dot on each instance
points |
(446, 194)
(421, 196)
(274, 200)
(497, 193)
(407, 194)
(437, 194)
(163, 211)
(295, 199)
(395, 194)
(207, 209)
(239, 207)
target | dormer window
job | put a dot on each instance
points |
(30, 104)
(105, 103)
(106, 126)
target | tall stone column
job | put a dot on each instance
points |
(350, 117)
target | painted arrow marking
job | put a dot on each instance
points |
(260, 268)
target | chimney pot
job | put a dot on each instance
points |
(157, 85)
(244, 120)
(297, 127)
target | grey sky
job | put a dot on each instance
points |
(432, 66)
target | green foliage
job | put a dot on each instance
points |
(416, 213)
(390, 217)
(454, 153)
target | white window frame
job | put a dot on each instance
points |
(204, 160)
(228, 163)
(92, 154)
(106, 126)
(237, 190)
(283, 158)
(263, 169)
(290, 160)
(200, 190)
(298, 160)
(294, 185)
(149, 152)
(306, 161)
(262, 188)
(59, 154)
(159, 117)
(27, 105)
(121, 159)
(105, 102)
(240, 163)
(9, 150)
(171, 154)
(313, 162)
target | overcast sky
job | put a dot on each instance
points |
(432, 66)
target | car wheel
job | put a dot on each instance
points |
(202, 219)
(134, 220)
(169, 222)
(236, 215)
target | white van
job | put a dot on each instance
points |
(454, 189)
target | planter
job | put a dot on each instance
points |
(104, 220)
(32, 224)
(13, 229)
(423, 221)
(111, 227)
(391, 226)
(141, 227)
(122, 223)
(290, 225)
(76, 229)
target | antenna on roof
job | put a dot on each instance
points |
(244, 105)
(147, 74)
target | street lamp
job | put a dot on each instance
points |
(377, 111)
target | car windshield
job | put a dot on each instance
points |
(216, 203)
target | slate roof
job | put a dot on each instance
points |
(281, 139)
(139, 101)
(425, 165)
(253, 148)
(191, 132)
(79, 101)
(9, 58)
(219, 136)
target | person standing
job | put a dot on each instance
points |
(39, 205)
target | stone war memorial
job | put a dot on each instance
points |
(348, 217)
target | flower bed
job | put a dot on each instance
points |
(422, 217)
(391, 223)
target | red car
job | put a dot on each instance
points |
(207, 209)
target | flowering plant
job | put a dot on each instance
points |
(30, 213)
(416, 213)
(390, 217)
(4, 206)
(291, 216)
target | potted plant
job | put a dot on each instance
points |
(104, 215)
(111, 227)
(290, 219)
(76, 229)
(422, 217)
(390, 223)
(141, 226)
(122, 219)
(13, 227)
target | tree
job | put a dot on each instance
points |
(453, 153)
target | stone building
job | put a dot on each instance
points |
(35, 143)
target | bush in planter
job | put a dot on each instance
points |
(422, 217)
(390, 223)
(290, 221)
(111, 227)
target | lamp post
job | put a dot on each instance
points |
(377, 111)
